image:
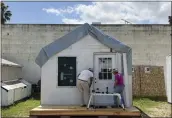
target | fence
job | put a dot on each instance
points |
(148, 81)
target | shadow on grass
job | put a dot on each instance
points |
(36, 96)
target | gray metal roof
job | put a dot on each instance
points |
(5, 62)
(67, 40)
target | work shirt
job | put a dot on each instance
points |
(119, 79)
(85, 75)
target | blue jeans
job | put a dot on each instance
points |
(118, 89)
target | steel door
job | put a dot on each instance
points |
(103, 65)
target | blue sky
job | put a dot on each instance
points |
(31, 12)
(81, 12)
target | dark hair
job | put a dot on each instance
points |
(90, 69)
(115, 70)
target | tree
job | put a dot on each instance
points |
(170, 19)
(5, 13)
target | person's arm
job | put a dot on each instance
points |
(91, 80)
(116, 81)
(78, 74)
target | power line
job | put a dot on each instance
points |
(126, 22)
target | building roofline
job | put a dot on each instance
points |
(93, 24)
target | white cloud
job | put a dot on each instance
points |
(60, 11)
(71, 21)
(113, 12)
(67, 10)
(52, 10)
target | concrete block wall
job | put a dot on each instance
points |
(21, 43)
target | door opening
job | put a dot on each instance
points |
(103, 65)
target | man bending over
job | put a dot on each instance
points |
(83, 84)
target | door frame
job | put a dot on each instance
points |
(112, 54)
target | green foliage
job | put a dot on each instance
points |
(5, 13)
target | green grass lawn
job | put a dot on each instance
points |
(147, 105)
(20, 109)
(153, 107)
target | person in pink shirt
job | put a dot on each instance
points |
(118, 85)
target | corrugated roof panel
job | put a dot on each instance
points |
(17, 85)
(6, 62)
(75, 35)
(8, 86)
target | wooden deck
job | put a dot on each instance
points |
(83, 111)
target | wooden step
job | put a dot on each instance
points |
(79, 112)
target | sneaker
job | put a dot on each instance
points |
(92, 106)
(120, 106)
(114, 106)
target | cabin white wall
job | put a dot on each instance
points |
(51, 94)
(11, 73)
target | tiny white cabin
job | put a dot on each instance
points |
(84, 47)
(14, 90)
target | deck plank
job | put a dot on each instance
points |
(80, 111)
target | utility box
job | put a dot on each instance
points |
(13, 91)
(28, 86)
(7, 95)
